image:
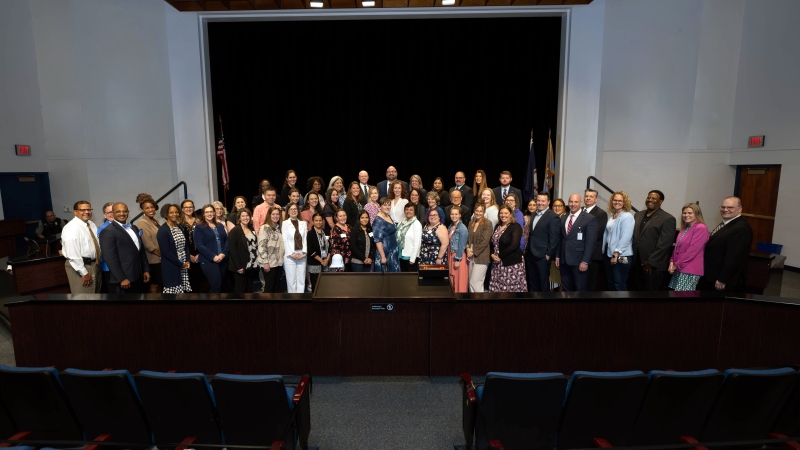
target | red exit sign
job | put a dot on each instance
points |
(755, 141)
(23, 150)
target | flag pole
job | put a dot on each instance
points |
(225, 162)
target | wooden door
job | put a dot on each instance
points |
(758, 189)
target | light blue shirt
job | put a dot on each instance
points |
(618, 235)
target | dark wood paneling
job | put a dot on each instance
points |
(647, 338)
(461, 338)
(247, 338)
(308, 338)
(780, 345)
(586, 333)
(524, 336)
(385, 343)
(740, 336)
(42, 276)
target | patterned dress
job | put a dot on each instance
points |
(430, 246)
(252, 247)
(683, 281)
(341, 245)
(385, 233)
(506, 279)
(180, 245)
(372, 209)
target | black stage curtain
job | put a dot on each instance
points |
(428, 96)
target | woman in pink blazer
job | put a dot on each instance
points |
(686, 264)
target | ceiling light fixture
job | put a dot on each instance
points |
(448, 2)
(316, 3)
(368, 4)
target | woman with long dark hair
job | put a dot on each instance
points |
(212, 244)
(508, 269)
(188, 222)
(174, 255)
(239, 203)
(310, 209)
(331, 208)
(259, 198)
(243, 261)
(352, 203)
(289, 183)
(340, 239)
(319, 255)
(362, 245)
(271, 250)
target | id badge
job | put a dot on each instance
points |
(324, 254)
(370, 234)
(342, 235)
(580, 236)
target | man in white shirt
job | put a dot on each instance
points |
(80, 247)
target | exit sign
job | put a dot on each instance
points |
(23, 150)
(755, 141)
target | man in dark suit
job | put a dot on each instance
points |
(383, 186)
(727, 250)
(505, 188)
(124, 252)
(590, 206)
(363, 183)
(653, 238)
(467, 197)
(575, 250)
(455, 199)
(543, 239)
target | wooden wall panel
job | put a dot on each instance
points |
(524, 336)
(740, 335)
(461, 338)
(586, 334)
(308, 338)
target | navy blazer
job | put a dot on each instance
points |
(602, 220)
(498, 195)
(124, 260)
(543, 239)
(170, 259)
(571, 251)
(206, 243)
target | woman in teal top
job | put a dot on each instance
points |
(387, 255)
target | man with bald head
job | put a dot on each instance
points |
(383, 186)
(124, 253)
(574, 252)
(727, 250)
(467, 196)
(363, 183)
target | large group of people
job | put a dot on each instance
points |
(489, 238)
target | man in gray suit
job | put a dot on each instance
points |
(653, 237)
(543, 239)
(578, 238)
(505, 188)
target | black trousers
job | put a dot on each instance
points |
(243, 282)
(272, 278)
(406, 266)
(592, 274)
(646, 282)
(136, 288)
(537, 273)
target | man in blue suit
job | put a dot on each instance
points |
(123, 251)
(578, 239)
(383, 186)
(543, 239)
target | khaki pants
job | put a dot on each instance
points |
(76, 281)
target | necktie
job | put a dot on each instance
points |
(505, 193)
(721, 224)
(94, 241)
(364, 189)
(569, 225)
(126, 225)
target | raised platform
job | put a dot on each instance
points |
(436, 335)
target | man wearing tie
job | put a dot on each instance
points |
(578, 239)
(505, 188)
(727, 250)
(543, 239)
(590, 206)
(467, 197)
(363, 183)
(124, 253)
(80, 247)
(455, 198)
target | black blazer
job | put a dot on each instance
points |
(571, 251)
(465, 215)
(467, 196)
(358, 244)
(602, 220)
(238, 255)
(170, 259)
(654, 244)
(543, 240)
(510, 253)
(498, 195)
(313, 249)
(352, 210)
(124, 260)
(726, 255)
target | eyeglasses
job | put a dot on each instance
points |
(86, 210)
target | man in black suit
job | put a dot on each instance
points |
(575, 250)
(455, 199)
(543, 239)
(653, 238)
(590, 206)
(363, 183)
(383, 186)
(727, 250)
(467, 197)
(505, 188)
(123, 251)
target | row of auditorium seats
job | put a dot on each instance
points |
(163, 408)
(617, 409)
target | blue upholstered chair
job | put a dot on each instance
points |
(748, 404)
(107, 402)
(521, 410)
(259, 409)
(179, 406)
(36, 402)
(600, 405)
(788, 422)
(675, 404)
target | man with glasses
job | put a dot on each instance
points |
(383, 186)
(727, 250)
(467, 196)
(123, 251)
(80, 247)
(653, 236)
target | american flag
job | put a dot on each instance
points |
(531, 186)
(550, 166)
(224, 160)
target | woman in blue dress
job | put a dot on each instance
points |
(387, 255)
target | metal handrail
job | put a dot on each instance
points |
(185, 196)
(611, 191)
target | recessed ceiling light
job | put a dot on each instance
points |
(316, 3)
(448, 2)
(368, 4)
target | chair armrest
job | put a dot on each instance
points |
(791, 445)
(601, 443)
(187, 440)
(469, 387)
(100, 438)
(276, 444)
(21, 436)
(300, 390)
(691, 440)
(496, 445)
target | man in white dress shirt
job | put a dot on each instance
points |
(363, 183)
(80, 247)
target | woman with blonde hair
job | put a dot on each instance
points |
(478, 251)
(490, 204)
(221, 213)
(686, 264)
(415, 182)
(372, 207)
(617, 241)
